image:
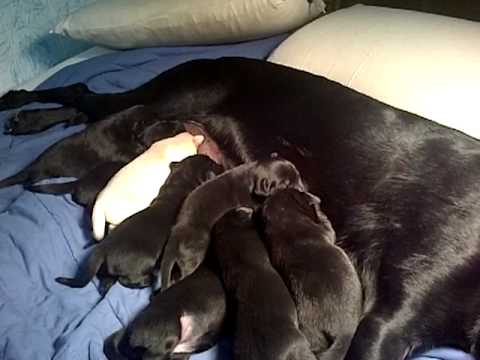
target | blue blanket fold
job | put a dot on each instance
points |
(44, 236)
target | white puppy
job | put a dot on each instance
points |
(134, 186)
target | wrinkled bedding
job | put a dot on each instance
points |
(44, 236)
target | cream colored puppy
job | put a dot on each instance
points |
(134, 186)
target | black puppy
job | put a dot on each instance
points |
(190, 237)
(120, 138)
(187, 318)
(401, 191)
(266, 319)
(85, 190)
(130, 251)
(320, 276)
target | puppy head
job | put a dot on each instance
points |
(149, 336)
(275, 174)
(281, 205)
(196, 168)
(147, 130)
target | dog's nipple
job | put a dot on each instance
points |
(198, 140)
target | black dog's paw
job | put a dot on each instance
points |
(20, 123)
(32, 121)
(14, 99)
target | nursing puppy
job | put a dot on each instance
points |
(187, 318)
(266, 319)
(243, 185)
(119, 138)
(134, 187)
(130, 252)
(320, 276)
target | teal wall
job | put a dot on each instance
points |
(26, 47)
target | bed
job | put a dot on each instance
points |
(44, 236)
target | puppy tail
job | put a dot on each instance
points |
(94, 263)
(60, 188)
(19, 178)
(98, 220)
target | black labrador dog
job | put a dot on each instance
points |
(266, 323)
(320, 276)
(131, 251)
(185, 319)
(243, 185)
(402, 192)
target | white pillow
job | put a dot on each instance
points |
(423, 63)
(143, 23)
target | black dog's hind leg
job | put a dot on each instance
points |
(378, 338)
(85, 190)
(193, 88)
(31, 121)
(83, 106)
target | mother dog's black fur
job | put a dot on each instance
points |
(402, 192)
(240, 186)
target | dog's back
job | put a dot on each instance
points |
(319, 275)
(266, 319)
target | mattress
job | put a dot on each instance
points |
(44, 236)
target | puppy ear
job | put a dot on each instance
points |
(263, 186)
(244, 210)
(315, 204)
(210, 175)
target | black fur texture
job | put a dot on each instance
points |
(266, 323)
(185, 319)
(243, 185)
(321, 278)
(131, 251)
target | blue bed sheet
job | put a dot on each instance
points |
(43, 236)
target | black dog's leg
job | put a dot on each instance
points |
(89, 106)
(65, 95)
(379, 339)
(195, 87)
(32, 121)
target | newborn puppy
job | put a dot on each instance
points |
(130, 252)
(134, 187)
(319, 275)
(189, 239)
(187, 318)
(266, 319)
